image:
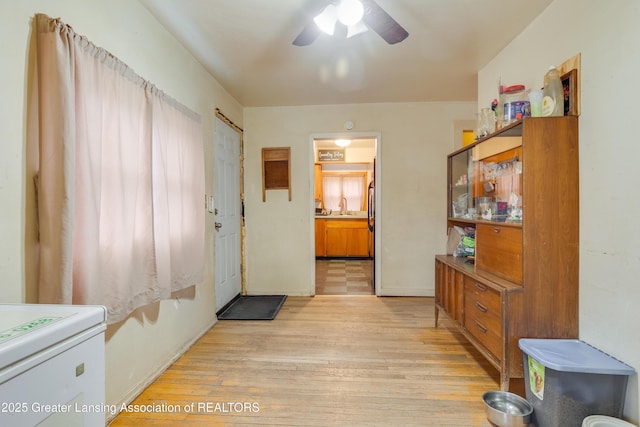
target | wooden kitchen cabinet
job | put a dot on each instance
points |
(317, 182)
(336, 237)
(342, 238)
(320, 232)
(524, 283)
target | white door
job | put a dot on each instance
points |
(228, 213)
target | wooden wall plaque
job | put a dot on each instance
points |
(276, 170)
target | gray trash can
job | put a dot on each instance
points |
(568, 380)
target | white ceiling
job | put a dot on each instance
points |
(246, 45)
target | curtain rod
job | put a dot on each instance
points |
(227, 120)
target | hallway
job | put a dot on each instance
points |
(344, 277)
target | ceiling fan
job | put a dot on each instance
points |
(370, 16)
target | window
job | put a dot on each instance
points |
(337, 186)
(121, 180)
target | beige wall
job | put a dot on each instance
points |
(415, 140)
(606, 34)
(149, 340)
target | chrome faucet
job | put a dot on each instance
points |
(343, 206)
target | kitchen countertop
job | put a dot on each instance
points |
(350, 215)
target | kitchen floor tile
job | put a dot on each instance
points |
(344, 277)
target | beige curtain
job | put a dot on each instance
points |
(121, 180)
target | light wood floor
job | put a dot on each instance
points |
(326, 361)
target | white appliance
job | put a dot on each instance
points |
(52, 365)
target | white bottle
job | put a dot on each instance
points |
(553, 101)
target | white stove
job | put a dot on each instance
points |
(52, 365)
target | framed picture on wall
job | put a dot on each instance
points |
(570, 76)
(570, 89)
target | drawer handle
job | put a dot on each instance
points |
(481, 287)
(481, 307)
(480, 326)
(496, 229)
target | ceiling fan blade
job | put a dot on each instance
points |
(382, 23)
(307, 35)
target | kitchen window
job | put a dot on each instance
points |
(337, 186)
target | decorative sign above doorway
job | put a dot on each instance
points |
(331, 155)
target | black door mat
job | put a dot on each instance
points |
(253, 307)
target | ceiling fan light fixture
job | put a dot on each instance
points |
(356, 16)
(342, 142)
(327, 19)
(350, 12)
(358, 28)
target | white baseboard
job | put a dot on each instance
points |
(405, 292)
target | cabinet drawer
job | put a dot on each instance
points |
(499, 251)
(482, 317)
(484, 295)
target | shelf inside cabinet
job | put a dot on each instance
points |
(473, 222)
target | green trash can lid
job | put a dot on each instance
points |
(567, 355)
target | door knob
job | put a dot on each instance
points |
(218, 226)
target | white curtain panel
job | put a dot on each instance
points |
(331, 192)
(178, 180)
(353, 191)
(339, 186)
(121, 180)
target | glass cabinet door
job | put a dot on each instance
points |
(497, 167)
(460, 185)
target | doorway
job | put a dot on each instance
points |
(344, 213)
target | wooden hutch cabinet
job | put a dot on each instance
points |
(518, 188)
